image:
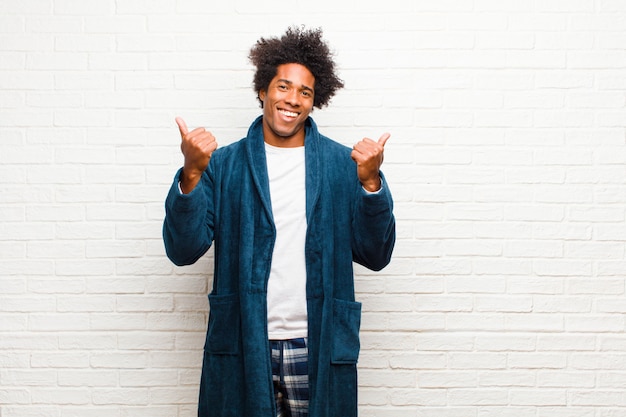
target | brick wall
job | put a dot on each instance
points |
(506, 294)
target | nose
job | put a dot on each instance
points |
(293, 97)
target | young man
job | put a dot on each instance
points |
(288, 211)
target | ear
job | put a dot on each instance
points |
(262, 94)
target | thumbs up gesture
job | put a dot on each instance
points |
(368, 155)
(197, 147)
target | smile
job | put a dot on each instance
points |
(288, 113)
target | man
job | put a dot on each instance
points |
(287, 211)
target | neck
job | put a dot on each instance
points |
(283, 142)
(293, 141)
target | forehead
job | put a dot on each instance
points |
(295, 73)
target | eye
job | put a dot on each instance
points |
(282, 87)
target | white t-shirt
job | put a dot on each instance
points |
(286, 290)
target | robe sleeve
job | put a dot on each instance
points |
(188, 227)
(374, 228)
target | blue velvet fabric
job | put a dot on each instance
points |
(231, 209)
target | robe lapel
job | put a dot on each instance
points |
(313, 170)
(255, 152)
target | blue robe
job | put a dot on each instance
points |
(230, 208)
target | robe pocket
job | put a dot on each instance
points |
(223, 334)
(346, 325)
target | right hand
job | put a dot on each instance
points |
(197, 147)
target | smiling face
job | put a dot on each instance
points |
(287, 103)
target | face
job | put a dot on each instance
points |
(287, 103)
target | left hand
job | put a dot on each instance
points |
(368, 155)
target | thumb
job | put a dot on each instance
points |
(383, 139)
(182, 126)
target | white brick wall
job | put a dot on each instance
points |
(506, 295)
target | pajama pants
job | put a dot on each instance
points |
(290, 374)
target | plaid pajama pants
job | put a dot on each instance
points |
(290, 374)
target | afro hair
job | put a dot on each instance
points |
(297, 46)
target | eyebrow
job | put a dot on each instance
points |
(291, 83)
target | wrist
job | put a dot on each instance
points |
(372, 185)
(188, 180)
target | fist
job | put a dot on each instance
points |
(368, 155)
(197, 147)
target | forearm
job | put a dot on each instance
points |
(374, 229)
(187, 228)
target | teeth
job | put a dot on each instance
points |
(288, 113)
